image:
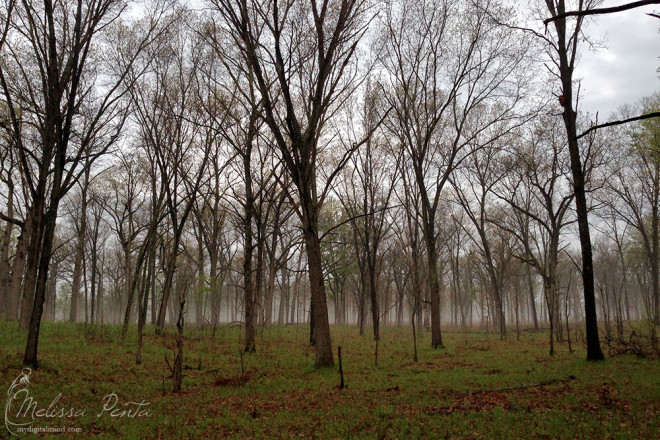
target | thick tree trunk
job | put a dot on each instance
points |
(434, 286)
(321, 326)
(34, 250)
(30, 358)
(17, 270)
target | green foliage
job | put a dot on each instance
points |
(479, 387)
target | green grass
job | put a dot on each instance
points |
(478, 387)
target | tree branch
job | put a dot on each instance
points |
(624, 121)
(357, 217)
(11, 220)
(597, 11)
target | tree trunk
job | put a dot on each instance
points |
(532, 300)
(34, 249)
(284, 294)
(594, 351)
(321, 326)
(4, 253)
(17, 270)
(655, 254)
(177, 369)
(130, 289)
(434, 286)
(30, 358)
(80, 249)
(52, 291)
(375, 312)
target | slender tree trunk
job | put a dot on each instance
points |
(95, 237)
(364, 280)
(177, 369)
(168, 283)
(375, 311)
(248, 247)
(284, 294)
(130, 289)
(143, 299)
(80, 249)
(655, 256)
(4, 254)
(272, 272)
(594, 351)
(101, 293)
(51, 295)
(215, 289)
(199, 297)
(258, 297)
(532, 299)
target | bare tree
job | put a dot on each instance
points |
(635, 181)
(59, 122)
(368, 186)
(537, 187)
(303, 59)
(473, 186)
(563, 50)
(457, 63)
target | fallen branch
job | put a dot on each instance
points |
(522, 387)
(634, 346)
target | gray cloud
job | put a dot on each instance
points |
(626, 69)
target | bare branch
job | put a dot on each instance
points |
(599, 11)
(624, 121)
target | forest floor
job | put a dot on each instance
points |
(478, 387)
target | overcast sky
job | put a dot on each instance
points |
(626, 69)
